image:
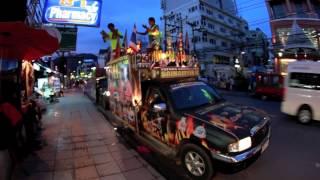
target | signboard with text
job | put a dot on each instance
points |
(68, 39)
(76, 12)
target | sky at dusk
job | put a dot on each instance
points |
(125, 13)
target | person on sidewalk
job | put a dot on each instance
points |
(10, 118)
(114, 37)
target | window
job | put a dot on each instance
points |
(203, 22)
(205, 38)
(197, 39)
(209, 12)
(230, 21)
(278, 9)
(224, 44)
(223, 30)
(305, 81)
(213, 41)
(211, 26)
(221, 16)
(193, 95)
(202, 7)
(155, 98)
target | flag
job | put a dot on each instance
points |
(125, 41)
(133, 40)
(187, 44)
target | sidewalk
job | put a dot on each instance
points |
(82, 145)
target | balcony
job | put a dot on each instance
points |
(296, 16)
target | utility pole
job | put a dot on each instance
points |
(193, 25)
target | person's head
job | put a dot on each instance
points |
(152, 21)
(111, 26)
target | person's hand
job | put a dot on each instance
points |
(145, 26)
(103, 33)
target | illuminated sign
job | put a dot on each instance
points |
(167, 73)
(77, 12)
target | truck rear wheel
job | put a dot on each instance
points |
(196, 162)
(304, 115)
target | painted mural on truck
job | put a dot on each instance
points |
(121, 90)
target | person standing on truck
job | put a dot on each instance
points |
(114, 37)
(154, 34)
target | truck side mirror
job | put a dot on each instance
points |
(161, 107)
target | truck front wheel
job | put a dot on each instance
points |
(196, 162)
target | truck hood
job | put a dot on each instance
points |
(240, 121)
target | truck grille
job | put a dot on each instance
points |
(260, 135)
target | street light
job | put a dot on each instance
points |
(280, 54)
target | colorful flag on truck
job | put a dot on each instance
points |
(133, 40)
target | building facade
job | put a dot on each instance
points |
(216, 31)
(34, 12)
(295, 27)
(256, 49)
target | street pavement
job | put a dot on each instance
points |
(82, 145)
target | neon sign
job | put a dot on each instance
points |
(77, 12)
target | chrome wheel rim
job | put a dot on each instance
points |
(305, 116)
(195, 163)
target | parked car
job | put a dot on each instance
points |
(302, 91)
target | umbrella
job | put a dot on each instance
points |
(21, 42)
(18, 41)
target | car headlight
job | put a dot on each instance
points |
(107, 93)
(241, 145)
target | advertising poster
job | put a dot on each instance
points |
(120, 88)
(75, 12)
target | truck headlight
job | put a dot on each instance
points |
(241, 145)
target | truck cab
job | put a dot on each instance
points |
(181, 117)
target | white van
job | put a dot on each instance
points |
(302, 91)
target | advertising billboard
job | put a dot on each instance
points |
(75, 12)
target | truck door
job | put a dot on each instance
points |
(154, 115)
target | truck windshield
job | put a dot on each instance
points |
(193, 95)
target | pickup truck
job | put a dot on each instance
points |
(184, 118)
